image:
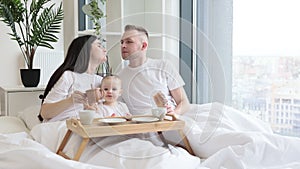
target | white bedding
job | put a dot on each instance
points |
(229, 139)
(221, 136)
(115, 152)
(17, 151)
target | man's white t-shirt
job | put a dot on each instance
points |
(65, 86)
(141, 83)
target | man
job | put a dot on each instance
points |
(144, 77)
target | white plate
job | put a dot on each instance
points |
(112, 120)
(145, 119)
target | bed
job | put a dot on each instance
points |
(220, 136)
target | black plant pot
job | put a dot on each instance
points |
(30, 77)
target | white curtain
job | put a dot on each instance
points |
(213, 50)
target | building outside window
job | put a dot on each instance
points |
(266, 62)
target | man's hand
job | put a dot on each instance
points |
(170, 110)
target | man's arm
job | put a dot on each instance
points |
(180, 97)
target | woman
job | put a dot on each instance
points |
(64, 94)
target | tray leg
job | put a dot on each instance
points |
(164, 141)
(81, 148)
(63, 144)
(186, 142)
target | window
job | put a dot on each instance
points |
(206, 50)
(264, 66)
(266, 40)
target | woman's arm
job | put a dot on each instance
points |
(50, 110)
(181, 100)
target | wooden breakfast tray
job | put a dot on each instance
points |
(99, 129)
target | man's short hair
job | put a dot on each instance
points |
(137, 28)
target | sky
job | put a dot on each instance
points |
(266, 27)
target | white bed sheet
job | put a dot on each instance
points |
(220, 135)
(229, 139)
(116, 151)
(36, 149)
(18, 151)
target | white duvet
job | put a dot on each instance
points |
(229, 139)
(19, 151)
(221, 136)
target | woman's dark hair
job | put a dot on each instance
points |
(77, 60)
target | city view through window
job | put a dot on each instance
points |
(266, 62)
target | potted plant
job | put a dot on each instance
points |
(95, 13)
(33, 23)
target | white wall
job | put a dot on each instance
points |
(163, 40)
(10, 59)
(159, 17)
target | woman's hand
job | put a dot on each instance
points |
(50, 110)
(79, 97)
(90, 107)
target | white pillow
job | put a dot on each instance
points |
(11, 124)
(50, 134)
(29, 116)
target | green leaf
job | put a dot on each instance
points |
(37, 23)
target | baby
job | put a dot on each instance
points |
(110, 88)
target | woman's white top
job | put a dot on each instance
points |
(65, 86)
(141, 83)
(119, 109)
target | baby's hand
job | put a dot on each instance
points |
(128, 116)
